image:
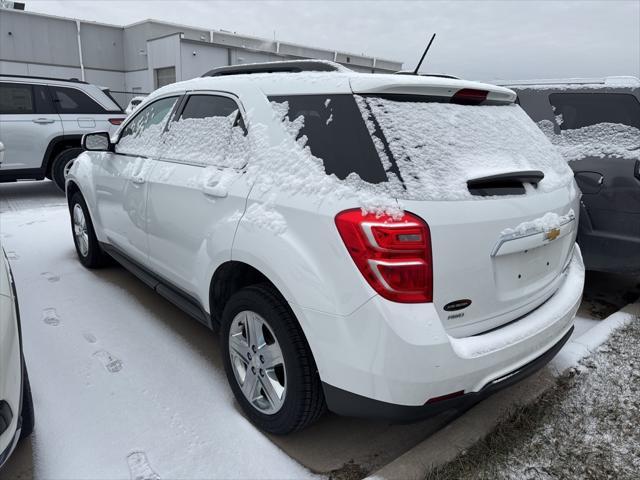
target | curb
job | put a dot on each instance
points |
(474, 425)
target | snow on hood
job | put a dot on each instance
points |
(599, 140)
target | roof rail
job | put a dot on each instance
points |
(72, 80)
(290, 66)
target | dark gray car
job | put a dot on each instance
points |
(596, 126)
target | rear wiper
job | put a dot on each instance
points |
(511, 183)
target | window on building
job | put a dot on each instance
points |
(164, 76)
(16, 99)
(73, 101)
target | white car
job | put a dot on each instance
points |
(42, 121)
(16, 405)
(379, 245)
(133, 104)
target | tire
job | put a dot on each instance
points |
(27, 413)
(59, 164)
(87, 246)
(302, 402)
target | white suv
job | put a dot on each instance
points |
(16, 404)
(382, 245)
(42, 121)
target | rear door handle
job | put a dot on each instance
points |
(43, 120)
(138, 180)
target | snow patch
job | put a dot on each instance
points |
(599, 140)
(548, 221)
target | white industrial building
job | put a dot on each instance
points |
(138, 58)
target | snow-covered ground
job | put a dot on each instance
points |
(126, 385)
(117, 387)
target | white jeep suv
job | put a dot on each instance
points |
(42, 121)
(384, 246)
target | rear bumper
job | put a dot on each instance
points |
(394, 358)
(353, 405)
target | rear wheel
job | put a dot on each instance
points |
(268, 362)
(87, 246)
(61, 165)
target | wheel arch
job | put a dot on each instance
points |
(56, 146)
(230, 277)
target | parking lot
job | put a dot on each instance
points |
(125, 384)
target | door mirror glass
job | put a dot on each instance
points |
(96, 142)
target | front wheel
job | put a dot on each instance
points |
(87, 246)
(268, 362)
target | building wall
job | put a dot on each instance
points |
(124, 58)
(207, 56)
(38, 39)
(102, 46)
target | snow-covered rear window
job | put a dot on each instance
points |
(426, 149)
(437, 147)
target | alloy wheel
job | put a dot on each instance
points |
(80, 230)
(257, 362)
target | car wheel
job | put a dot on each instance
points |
(268, 362)
(61, 165)
(27, 413)
(88, 248)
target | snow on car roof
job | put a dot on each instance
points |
(335, 83)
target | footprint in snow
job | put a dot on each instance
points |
(50, 317)
(139, 468)
(51, 277)
(89, 337)
(111, 363)
(11, 255)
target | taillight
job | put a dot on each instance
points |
(394, 256)
(115, 121)
(469, 96)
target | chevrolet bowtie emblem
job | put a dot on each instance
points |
(552, 234)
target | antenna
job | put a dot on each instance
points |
(415, 72)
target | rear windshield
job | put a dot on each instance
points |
(431, 147)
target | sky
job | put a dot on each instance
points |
(484, 40)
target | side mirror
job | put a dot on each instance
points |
(97, 142)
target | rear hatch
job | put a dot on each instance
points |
(500, 202)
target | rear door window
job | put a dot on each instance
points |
(74, 101)
(577, 110)
(337, 134)
(208, 131)
(16, 99)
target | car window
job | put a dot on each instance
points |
(16, 99)
(577, 110)
(74, 101)
(208, 131)
(141, 136)
(337, 134)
